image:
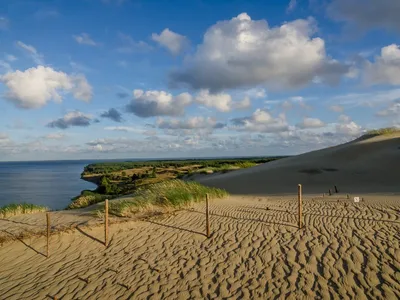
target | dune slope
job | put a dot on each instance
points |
(362, 166)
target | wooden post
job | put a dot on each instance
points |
(207, 217)
(48, 232)
(106, 223)
(336, 190)
(300, 208)
(330, 192)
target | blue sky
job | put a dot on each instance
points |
(126, 78)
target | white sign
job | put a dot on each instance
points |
(356, 199)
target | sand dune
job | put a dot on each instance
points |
(345, 250)
(253, 253)
(363, 166)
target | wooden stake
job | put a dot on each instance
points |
(300, 208)
(48, 232)
(106, 223)
(336, 190)
(330, 192)
(207, 217)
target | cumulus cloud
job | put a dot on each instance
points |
(261, 121)
(158, 103)
(34, 87)
(344, 119)
(173, 41)
(386, 68)
(190, 123)
(349, 129)
(336, 108)
(242, 52)
(84, 39)
(221, 101)
(33, 53)
(131, 46)
(311, 123)
(73, 118)
(112, 114)
(367, 14)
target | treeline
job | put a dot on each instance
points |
(109, 167)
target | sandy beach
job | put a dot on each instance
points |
(345, 250)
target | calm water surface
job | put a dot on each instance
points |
(50, 183)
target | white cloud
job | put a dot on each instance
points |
(84, 39)
(242, 52)
(244, 104)
(392, 110)
(54, 136)
(11, 57)
(5, 66)
(336, 108)
(123, 128)
(370, 99)
(291, 6)
(349, 129)
(130, 45)
(260, 121)
(367, 13)
(190, 123)
(311, 123)
(173, 41)
(220, 101)
(35, 55)
(386, 68)
(34, 87)
(73, 118)
(158, 103)
(344, 119)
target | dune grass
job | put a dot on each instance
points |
(87, 198)
(164, 195)
(10, 210)
(382, 131)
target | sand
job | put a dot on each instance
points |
(345, 250)
(253, 253)
(367, 166)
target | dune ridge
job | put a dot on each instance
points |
(361, 166)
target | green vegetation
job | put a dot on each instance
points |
(123, 178)
(163, 195)
(381, 131)
(109, 167)
(20, 209)
(87, 198)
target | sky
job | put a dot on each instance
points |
(97, 79)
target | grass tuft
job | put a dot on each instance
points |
(87, 198)
(381, 131)
(10, 210)
(164, 195)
